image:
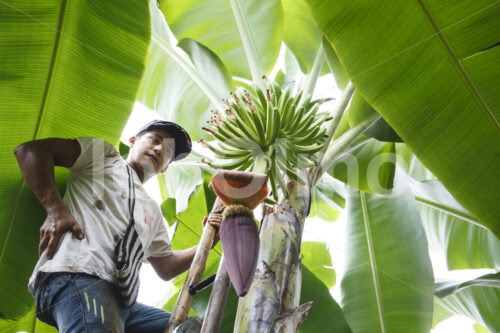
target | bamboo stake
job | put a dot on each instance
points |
(217, 301)
(185, 299)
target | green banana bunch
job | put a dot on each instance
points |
(286, 129)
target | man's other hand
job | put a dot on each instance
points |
(58, 222)
(214, 220)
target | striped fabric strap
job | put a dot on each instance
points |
(129, 254)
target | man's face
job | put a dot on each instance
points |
(153, 151)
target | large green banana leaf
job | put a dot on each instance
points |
(325, 311)
(28, 323)
(411, 164)
(446, 288)
(370, 167)
(388, 283)
(181, 83)
(480, 303)
(480, 328)
(67, 70)
(299, 33)
(336, 68)
(167, 89)
(439, 314)
(431, 69)
(359, 110)
(328, 199)
(304, 40)
(317, 278)
(200, 302)
(317, 259)
(213, 24)
(452, 231)
(179, 183)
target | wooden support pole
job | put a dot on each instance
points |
(217, 302)
(185, 299)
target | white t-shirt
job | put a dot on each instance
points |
(97, 196)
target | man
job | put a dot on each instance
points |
(74, 279)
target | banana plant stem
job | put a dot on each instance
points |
(217, 301)
(312, 78)
(248, 43)
(332, 127)
(261, 164)
(339, 146)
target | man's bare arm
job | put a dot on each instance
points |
(37, 160)
(178, 262)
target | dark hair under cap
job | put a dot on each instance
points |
(183, 143)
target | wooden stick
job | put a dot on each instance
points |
(217, 302)
(185, 299)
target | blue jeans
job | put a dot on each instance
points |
(76, 302)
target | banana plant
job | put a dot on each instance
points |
(251, 131)
(261, 127)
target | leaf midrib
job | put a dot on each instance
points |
(188, 68)
(373, 263)
(41, 115)
(450, 211)
(458, 65)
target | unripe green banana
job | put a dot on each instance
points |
(292, 174)
(304, 162)
(231, 165)
(269, 124)
(226, 154)
(307, 138)
(260, 128)
(296, 120)
(277, 124)
(306, 123)
(245, 166)
(285, 97)
(235, 129)
(307, 149)
(272, 180)
(244, 114)
(262, 98)
(250, 134)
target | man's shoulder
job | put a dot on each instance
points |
(94, 150)
(98, 146)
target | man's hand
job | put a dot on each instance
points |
(179, 261)
(58, 221)
(214, 220)
(37, 160)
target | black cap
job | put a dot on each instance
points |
(182, 139)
